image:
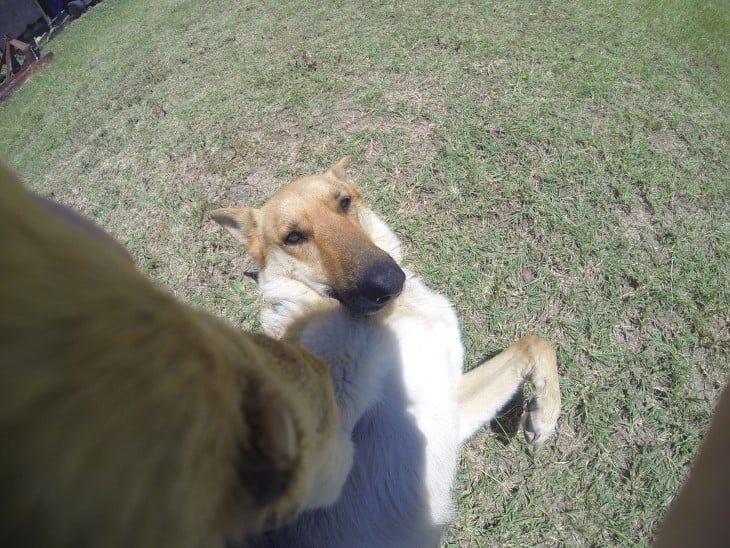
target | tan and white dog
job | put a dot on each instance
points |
(332, 282)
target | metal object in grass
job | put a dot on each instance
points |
(12, 72)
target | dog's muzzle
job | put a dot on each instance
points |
(377, 284)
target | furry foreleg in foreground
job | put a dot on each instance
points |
(130, 419)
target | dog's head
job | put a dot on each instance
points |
(317, 230)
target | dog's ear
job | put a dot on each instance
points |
(268, 461)
(243, 224)
(338, 170)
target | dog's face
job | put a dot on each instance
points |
(312, 231)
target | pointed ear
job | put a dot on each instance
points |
(338, 170)
(243, 224)
(269, 457)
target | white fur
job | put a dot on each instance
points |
(396, 376)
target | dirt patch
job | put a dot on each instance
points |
(628, 335)
(706, 381)
(598, 117)
(258, 185)
(245, 171)
(718, 327)
(636, 223)
(704, 388)
(416, 136)
(667, 140)
(423, 142)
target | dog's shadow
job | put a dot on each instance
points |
(386, 486)
(506, 424)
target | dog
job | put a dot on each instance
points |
(333, 283)
(130, 419)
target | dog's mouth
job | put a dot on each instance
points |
(360, 305)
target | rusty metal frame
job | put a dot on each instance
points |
(31, 61)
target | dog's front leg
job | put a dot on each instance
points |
(483, 391)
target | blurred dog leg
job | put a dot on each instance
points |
(699, 515)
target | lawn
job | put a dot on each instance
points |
(560, 168)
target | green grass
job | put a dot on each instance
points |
(558, 168)
(698, 28)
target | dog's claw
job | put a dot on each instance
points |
(538, 424)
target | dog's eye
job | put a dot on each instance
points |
(294, 237)
(345, 204)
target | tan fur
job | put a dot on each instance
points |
(336, 246)
(129, 419)
(485, 390)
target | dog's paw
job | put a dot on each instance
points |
(539, 421)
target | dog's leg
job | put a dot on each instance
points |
(483, 391)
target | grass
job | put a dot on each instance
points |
(700, 27)
(553, 167)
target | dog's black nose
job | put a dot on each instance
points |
(380, 282)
